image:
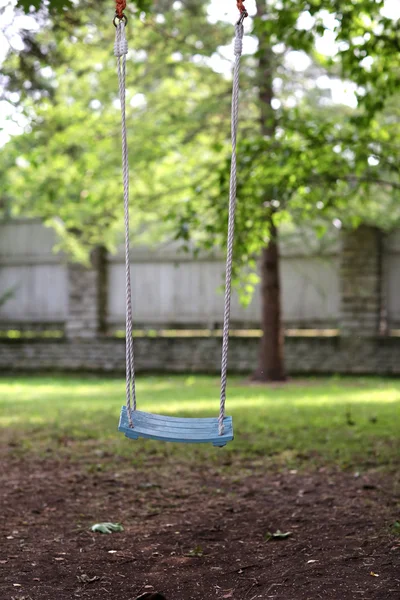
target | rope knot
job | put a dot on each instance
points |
(120, 44)
(238, 48)
(120, 6)
(241, 7)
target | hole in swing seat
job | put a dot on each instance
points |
(175, 429)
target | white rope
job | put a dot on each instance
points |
(238, 46)
(120, 51)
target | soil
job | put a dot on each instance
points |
(195, 533)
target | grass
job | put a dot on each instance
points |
(350, 422)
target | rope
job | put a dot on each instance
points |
(241, 8)
(120, 51)
(231, 222)
(120, 6)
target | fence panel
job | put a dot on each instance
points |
(170, 288)
(33, 280)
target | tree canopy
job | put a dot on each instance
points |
(66, 167)
(318, 160)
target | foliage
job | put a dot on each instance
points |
(319, 163)
(319, 171)
(311, 161)
(66, 168)
(62, 6)
(5, 296)
(368, 41)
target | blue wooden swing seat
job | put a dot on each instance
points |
(175, 429)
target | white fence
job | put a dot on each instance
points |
(31, 275)
(171, 288)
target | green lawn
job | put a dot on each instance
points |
(353, 422)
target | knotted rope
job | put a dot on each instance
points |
(120, 51)
(238, 48)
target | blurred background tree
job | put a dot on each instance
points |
(306, 158)
(66, 166)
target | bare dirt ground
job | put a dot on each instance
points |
(195, 533)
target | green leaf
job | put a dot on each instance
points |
(107, 527)
(321, 230)
(278, 535)
(197, 551)
(395, 529)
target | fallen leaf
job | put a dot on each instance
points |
(86, 579)
(278, 535)
(311, 561)
(17, 585)
(148, 486)
(374, 574)
(197, 551)
(107, 527)
(395, 529)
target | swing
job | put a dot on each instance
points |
(134, 423)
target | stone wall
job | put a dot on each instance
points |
(87, 295)
(361, 282)
(319, 355)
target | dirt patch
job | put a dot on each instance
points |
(195, 533)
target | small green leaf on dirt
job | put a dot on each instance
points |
(395, 528)
(107, 527)
(197, 551)
(148, 486)
(86, 579)
(278, 535)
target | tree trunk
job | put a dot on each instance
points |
(271, 363)
(271, 353)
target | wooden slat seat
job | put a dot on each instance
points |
(175, 429)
